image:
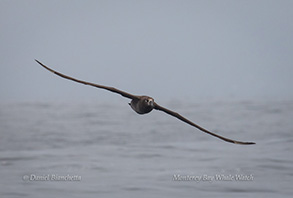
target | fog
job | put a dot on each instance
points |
(170, 50)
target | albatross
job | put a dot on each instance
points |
(144, 104)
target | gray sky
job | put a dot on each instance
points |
(171, 50)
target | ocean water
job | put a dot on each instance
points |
(105, 150)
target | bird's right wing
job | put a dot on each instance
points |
(112, 89)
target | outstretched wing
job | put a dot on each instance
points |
(112, 89)
(180, 117)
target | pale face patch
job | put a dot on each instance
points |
(149, 101)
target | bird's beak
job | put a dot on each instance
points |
(151, 103)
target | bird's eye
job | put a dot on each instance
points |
(146, 100)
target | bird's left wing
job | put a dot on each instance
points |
(180, 117)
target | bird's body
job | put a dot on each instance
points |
(144, 104)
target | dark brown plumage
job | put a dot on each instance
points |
(145, 104)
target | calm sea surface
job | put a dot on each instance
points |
(98, 150)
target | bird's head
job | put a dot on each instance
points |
(148, 101)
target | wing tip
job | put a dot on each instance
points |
(244, 143)
(40, 63)
(235, 141)
(51, 70)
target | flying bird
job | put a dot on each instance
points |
(144, 104)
